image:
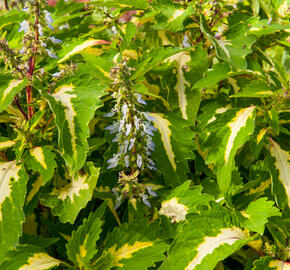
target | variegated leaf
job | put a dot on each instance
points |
(13, 181)
(255, 89)
(190, 67)
(9, 88)
(5, 143)
(269, 263)
(73, 104)
(139, 4)
(27, 257)
(82, 245)
(204, 240)
(135, 246)
(280, 173)
(264, 28)
(41, 159)
(66, 201)
(229, 132)
(237, 46)
(176, 204)
(174, 147)
(172, 15)
(78, 47)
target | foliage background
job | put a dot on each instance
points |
(214, 76)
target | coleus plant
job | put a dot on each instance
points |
(144, 135)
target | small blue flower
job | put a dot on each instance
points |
(113, 128)
(114, 161)
(24, 26)
(132, 141)
(140, 100)
(109, 114)
(121, 125)
(40, 30)
(126, 160)
(50, 53)
(47, 16)
(118, 198)
(57, 74)
(136, 122)
(151, 191)
(139, 161)
(148, 117)
(145, 201)
(125, 110)
(65, 26)
(128, 129)
(55, 40)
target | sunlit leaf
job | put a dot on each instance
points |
(205, 240)
(9, 88)
(257, 214)
(174, 145)
(66, 201)
(41, 159)
(227, 140)
(182, 200)
(13, 181)
(135, 246)
(73, 104)
(280, 173)
(82, 245)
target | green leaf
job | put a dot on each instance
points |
(263, 27)
(82, 245)
(79, 46)
(190, 66)
(13, 181)
(135, 246)
(228, 135)
(66, 201)
(255, 89)
(149, 60)
(5, 143)
(204, 240)
(142, 4)
(220, 48)
(274, 120)
(269, 263)
(280, 173)
(237, 46)
(99, 65)
(9, 88)
(278, 227)
(41, 159)
(257, 214)
(179, 202)
(172, 15)
(218, 73)
(73, 104)
(27, 257)
(174, 146)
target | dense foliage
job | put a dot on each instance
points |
(144, 135)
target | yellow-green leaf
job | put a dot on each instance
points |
(40, 261)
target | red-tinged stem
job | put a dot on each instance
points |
(6, 4)
(31, 63)
(16, 100)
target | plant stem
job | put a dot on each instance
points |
(16, 100)
(6, 4)
(32, 60)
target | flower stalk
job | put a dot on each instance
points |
(134, 131)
